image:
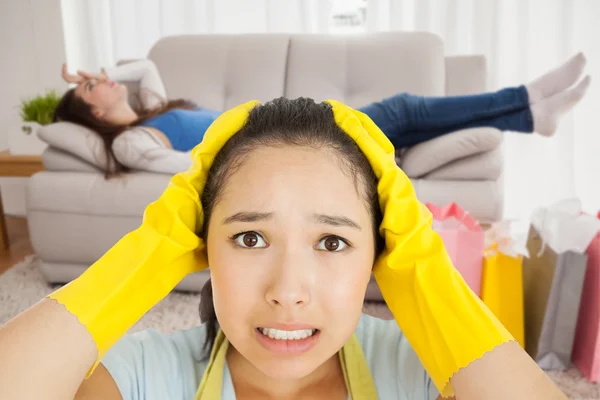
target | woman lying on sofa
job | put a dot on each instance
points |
(100, 103)
(293, 205)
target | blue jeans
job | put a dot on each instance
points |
(407, 119)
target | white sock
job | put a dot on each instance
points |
(547, 112)
(556, 80)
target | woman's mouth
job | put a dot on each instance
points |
(287, 335)
(287, 342)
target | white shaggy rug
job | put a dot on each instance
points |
(23, 285)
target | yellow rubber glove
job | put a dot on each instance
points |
(146, 264)
(447, 325)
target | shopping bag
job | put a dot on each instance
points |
(464, 241)
(553, 276)
(586, 349)
(502, 279)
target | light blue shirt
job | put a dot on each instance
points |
(151, 366)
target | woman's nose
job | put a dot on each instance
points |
(290, 283)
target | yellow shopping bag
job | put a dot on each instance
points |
(502, 290)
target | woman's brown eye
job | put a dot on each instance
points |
(250, 239)
(332, 243)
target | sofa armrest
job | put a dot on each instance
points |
(479, 167)
(428, 156)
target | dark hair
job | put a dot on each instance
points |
(74, 109)
(282, 122)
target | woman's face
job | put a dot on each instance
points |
(103, 96)
(291, 249)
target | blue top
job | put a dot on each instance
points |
(184, 128)
(151, 366)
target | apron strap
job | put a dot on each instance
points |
(354, 366)
(359, 380)
(212, 380)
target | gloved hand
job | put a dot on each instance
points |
(146, 264)
(447, 325)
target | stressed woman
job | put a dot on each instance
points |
(100, 103)
(292, 205)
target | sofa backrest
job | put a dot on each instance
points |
(358, 70)
(466, 75)
(221, 71)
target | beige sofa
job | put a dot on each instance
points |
(75, 215)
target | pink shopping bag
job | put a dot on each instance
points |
(586, 348)
(463, 239)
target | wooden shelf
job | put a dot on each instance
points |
(15, 166)
(19, 165)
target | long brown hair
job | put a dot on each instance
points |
(283, 122)
(73, 108)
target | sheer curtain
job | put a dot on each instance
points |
(100, 32)
(520, 38)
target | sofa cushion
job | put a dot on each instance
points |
(77, 140)
(135, 148)
(59, 160)
(358, 70)
(428, 156)
(482, 166)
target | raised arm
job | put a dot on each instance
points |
(139, 150)
(45, 352)
(146, 74)
(143, 72)
(507, 372)
(462, 345)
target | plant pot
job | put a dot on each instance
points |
(24, 140)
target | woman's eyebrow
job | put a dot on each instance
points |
(245, 216)
(335, 220)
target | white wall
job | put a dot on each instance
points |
(32, 51)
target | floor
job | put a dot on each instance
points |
(20, 245)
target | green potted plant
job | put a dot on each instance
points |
(34, 112)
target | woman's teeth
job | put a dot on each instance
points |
(287, 335)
